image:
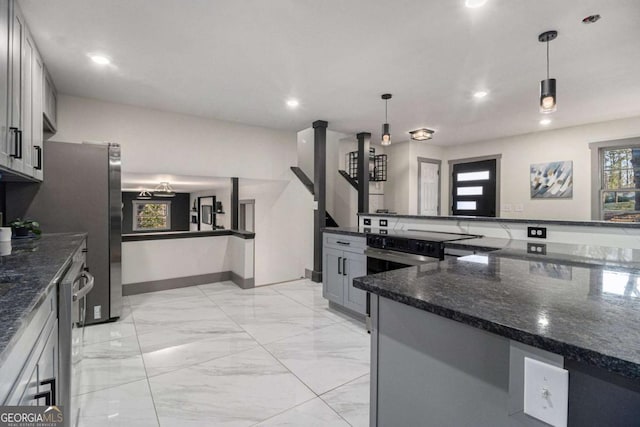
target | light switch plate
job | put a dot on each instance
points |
(546, 392)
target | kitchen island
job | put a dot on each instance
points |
(449, 340)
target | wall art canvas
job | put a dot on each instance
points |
(553, 180)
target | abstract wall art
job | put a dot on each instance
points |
(553, 180)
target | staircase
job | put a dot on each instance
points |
(304, 179)
(350, 180)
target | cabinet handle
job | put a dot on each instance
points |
(46, 395)
(339, 265)
(16, 143)
(38, 149)
(51, 382)
(19, 146)
(344, 266)
(343, 243)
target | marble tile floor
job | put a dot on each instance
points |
(218, 355)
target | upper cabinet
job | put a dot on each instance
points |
(27, 97)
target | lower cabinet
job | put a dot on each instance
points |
(340, 266)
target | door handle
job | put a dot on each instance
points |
(38, 165)
(83, 291)
(339, 262)
(46, 395)
(344, 266)
(51, 382)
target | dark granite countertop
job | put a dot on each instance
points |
(26, 275)
(586, 313)
(532, 222)
(349, 231)
(164, 235)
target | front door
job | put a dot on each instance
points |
(474, 188)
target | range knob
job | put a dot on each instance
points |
(420, 246)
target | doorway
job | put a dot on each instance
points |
(428, 186)
(474, 187)
(247, 215)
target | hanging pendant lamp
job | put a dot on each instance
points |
(386, 134)
(548, 99)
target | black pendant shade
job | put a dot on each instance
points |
(386, 134)
(548, 98)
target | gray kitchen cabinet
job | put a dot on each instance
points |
(343, 260)
(4, 82)
(50, 111)
(22, 96)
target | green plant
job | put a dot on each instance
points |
(29, 224)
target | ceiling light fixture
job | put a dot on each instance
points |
(386, 135)
(164, 190)
(591, 19)
(472, 4)
(144, 195)
(545, 122)
(548, 100)
(423, 134)
(480, 94)
(292, 103)
(100, 60)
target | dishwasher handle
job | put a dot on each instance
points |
(82, 292)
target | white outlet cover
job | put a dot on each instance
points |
(546, 392)
(506, 207)
(519, 207)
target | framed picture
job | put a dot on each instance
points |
(553, 180)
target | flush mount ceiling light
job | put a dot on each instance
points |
(164, 190)
(144, 195)
(480, 94)
(100, 59)
(545, 122)
(475, 3)
(548, 100)
(292, 103)
(423, 134)
(591, 19)
(386, 135)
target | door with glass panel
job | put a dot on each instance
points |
(474, 188)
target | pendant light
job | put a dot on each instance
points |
(386, 135)
(548, 100)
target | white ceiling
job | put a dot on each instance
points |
(240, 60)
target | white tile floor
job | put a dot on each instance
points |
(217, 355)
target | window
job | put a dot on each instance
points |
(151, 215)
(620, 191)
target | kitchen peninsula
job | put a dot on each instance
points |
(449, 339)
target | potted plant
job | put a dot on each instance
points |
(22, 227)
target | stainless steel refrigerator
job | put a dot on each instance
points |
(81, 191)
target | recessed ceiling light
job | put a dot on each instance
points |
(545, 122)
(480, 94)
(292, 103)
(475, 3)
(99, 59)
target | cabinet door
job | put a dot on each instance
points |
(5, 21)
(37, 108)
(16, 86)
(332, 277)
(48, 367)
(50, 103)
(28, 56)
(354, 298)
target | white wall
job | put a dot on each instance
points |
(519, 152)
(284, 229)
(305, 151)
(162, 142)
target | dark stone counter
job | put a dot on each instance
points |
(164, 235)
(26, 276)
(585, 313)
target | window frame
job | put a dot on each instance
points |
(136, 203)
(597, 179)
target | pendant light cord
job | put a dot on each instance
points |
(386, 120)
(547, 59)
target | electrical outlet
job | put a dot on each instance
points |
(506, 207)
(97, 311)
(546, 392)
(519, 207)
(383, 223)
(537, 248)
(367, 221)
(537, 232)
